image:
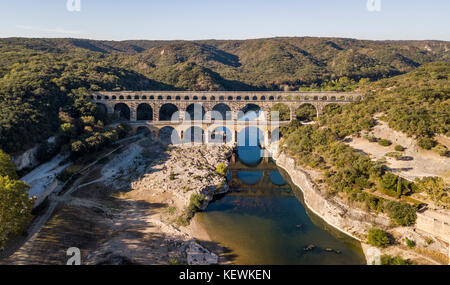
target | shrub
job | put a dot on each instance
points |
(195, 204)
(426, 143)
(441, 150)
(371, 138)
(399, 148)
(410, 243)
(398, 260)
(396, 155)
(401, 214)
(378, 238)
(172, 176)
(384, 142)
(221, 169)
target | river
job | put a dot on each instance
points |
(263, 219)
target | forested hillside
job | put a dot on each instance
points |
(40, 77)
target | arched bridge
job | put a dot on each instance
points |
(209, 111)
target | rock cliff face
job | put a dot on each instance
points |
(354, 222)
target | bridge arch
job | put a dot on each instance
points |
(144, 112)
(306, 112)
(220, 135)
(168, 112)
(193, 134)
(249, 112)
(283, 110)
(169, 135)
(122, 111)
(101, 111)
(221, 112)
(250, 137)
(195, 112)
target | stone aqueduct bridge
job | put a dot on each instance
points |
(154, 109)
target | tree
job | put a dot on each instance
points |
(15, 208)
(401, 214)
(378, 238)
(7, 167)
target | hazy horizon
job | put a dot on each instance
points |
(231, 20)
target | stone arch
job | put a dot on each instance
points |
(212, 98)
(193, 134)
(169, 98)
(221, 112)
(178, 98)
(230, 98)
(271, 98)
(122, 111)
(247, 98)
(186, 98)
(249, 112)
(128, 97)
(169, 135)
(160, 97)
(263, 98)
(168, 112)
(283, 111)
(250, 137)
(195, 98)
(221, 98)
(101, 111)
(204, 98)
(238, 98)
(220, 135)
(136, 97)
(306, 112)
(195, 112)
(144, 112)
(255, 98)
(121, 97)
(114, 98)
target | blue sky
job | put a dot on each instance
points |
(225, 19)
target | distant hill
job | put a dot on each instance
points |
(40, 77)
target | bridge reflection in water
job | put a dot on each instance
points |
(262, 221)
(261, 179)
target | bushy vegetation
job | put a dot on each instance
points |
(436, 189)
(378, 238)
(221, 169)
(401, 214)
(384, 142)
(15, 207)
(41, 77)
(398, 260)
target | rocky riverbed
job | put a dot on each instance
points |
(131, 210)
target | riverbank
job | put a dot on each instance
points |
(127, 211)
(356, 222)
